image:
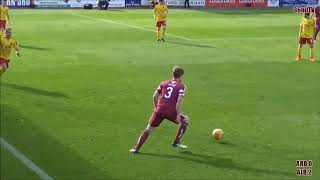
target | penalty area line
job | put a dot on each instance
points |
(22, 158)
(128, 25)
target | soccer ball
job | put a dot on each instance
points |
(217, 134)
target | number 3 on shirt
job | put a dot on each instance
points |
(169, 93)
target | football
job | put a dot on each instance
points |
(217, 134)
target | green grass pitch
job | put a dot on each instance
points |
(82, 93)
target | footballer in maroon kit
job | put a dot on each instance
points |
(317, 27)
(168, 105)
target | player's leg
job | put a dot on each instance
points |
(3, 24)
(310, 42)
(158, 25)
(159, 34)
(316, 30)
(181, 130)
(3, 68)
(4, 64)
(154, 122)
(107, 5)
(302, 41)
(164, 26)
(298, 57)
(142, 138)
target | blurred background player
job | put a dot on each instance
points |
(160, 13)
(153, 3)
(306, 35)
(4, 15)
(317, 16)
(186, 3)
(6, 43)
(103, 4)
(167, 101)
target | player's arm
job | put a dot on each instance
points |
(16, 47)
(167, 11)
(179, 108)
(300, 29)
(8, 17)
(156, 96)
(179, 104)
(314, 23)
(154, 13)
(18, 51)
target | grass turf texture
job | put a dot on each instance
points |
(81, 95)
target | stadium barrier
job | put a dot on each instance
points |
(133, 3)
(52, 3)
(145, 3)
(20, 3)
(117, 3)
(237, 3)
(273, 3)
(180, 3)
(291, 3)
(74, 3)
(177, 3)
(113, 3)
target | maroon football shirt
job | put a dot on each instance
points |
(169, 91)
(317, 12)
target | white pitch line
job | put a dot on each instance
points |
(176, 36)
(128, 25)
(24, 160)
(241, 38)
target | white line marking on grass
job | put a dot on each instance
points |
(25, 160)
(128, 25)
(241, 38)
(180, 37)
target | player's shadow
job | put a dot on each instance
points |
(63, 160)
(190, 44)
(35, 90)
(219, 162)
(192, 157)
(225, 143)
(33, 47)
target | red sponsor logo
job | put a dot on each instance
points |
(303, 9)
(236, 3)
